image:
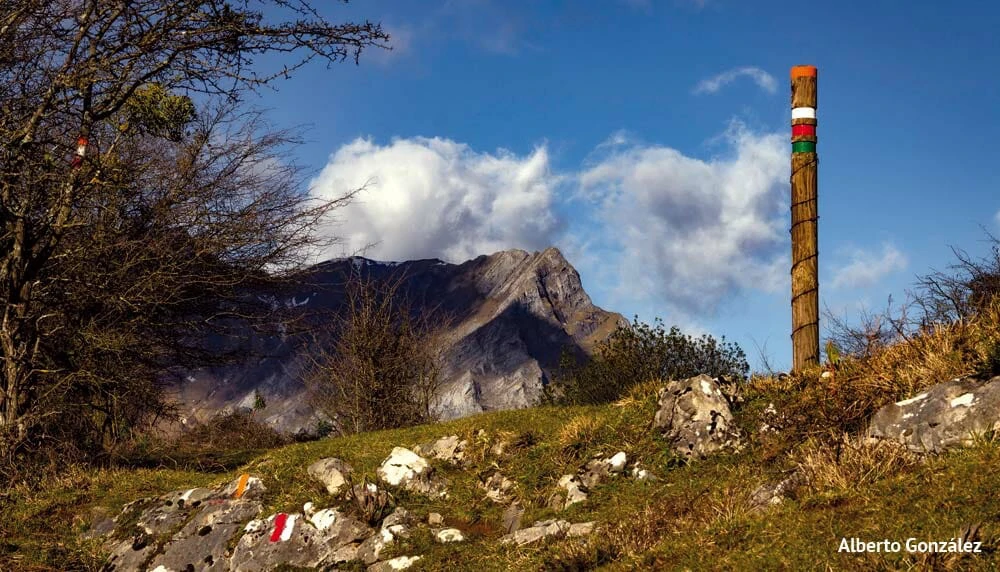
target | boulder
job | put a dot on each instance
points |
(694, 417)
(404, 468)
(450, 449)
(142, 524)
(547, 529)
(292, 540)
(331, 472)
(435, 519)
(946, 415)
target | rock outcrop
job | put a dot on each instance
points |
(694, 417)
(511, 314)
(946, 415)
(554, 528)
(332, 473)
(406, 469)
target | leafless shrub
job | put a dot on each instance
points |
(376, 365)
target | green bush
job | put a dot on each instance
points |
(639, 352)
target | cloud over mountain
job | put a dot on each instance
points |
(433, 197)
(647, 223)
(690, 231)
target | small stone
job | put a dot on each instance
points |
(397, 563)
(435, 519)
(617, 462)
(580, 529)
(575, 491)
(449, 535)
(512, 517)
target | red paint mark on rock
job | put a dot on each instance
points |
(279, 526)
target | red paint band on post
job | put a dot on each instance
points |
(279, 526)
(803, 130)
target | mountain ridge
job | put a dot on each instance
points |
(513, 312)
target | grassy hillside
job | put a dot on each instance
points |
(697, 515)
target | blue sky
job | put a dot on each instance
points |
(648, 140)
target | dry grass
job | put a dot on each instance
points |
(849, 462)
(580, 432)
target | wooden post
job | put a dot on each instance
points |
(805, 216)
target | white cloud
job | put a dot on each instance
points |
(438, 198)
(763, 80)
(687, 231)
(865, 268)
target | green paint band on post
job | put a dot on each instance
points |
(804, 147)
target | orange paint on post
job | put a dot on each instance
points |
(803, 71)
(241, 486)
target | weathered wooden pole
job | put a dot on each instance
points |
(805, 217)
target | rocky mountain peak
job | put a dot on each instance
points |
(513, 314)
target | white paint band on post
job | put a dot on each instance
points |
(803, 113)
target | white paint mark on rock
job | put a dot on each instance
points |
(286, 532)
(906, 402)
(324, 519)
(964, 400)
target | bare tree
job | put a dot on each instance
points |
(133, 225)
(377, 364)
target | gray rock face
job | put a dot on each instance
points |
(513, 312)
(694, 416)
(292, 540)
(947, 415)
(203, 541)
(198, 524)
